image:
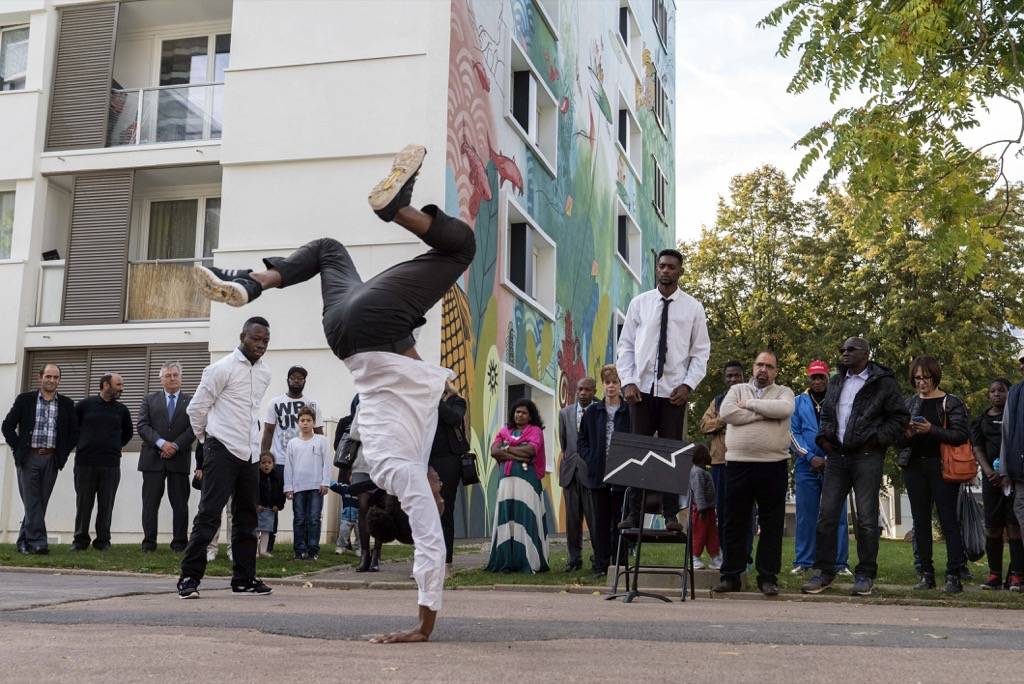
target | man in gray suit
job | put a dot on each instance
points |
(166, 457)
(572, 472)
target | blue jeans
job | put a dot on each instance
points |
(307, 507)
(862, 473)
(808, 501)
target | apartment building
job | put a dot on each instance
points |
(138, 138)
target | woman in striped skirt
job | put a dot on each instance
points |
(519, 541)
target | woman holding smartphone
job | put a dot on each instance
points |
(936, 418)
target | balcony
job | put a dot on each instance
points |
(162, 290)
(176, 113)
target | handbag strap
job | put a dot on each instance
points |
(944, 397)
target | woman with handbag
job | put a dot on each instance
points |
(446, 454)
(938, 422)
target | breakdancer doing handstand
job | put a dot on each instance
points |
(369, 327)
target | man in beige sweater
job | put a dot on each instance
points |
(757, 451)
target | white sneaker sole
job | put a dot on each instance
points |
(406, 164)
(250, 593)
(193, 595)
(217, 290)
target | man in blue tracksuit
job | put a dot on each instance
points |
(810, 465)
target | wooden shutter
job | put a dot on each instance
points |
(74, 370)
(97, 266)
(80, 104)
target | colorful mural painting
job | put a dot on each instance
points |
(571, 179)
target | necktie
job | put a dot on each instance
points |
(663, 337)
(170, 406)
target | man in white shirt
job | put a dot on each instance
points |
(662, 357)
(369, 326)
(224, 413)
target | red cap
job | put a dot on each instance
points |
(817, 368)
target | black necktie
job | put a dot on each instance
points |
(663, 337)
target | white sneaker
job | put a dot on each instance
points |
(338, 550)
(845, 572)
(211, 556)
(698, 564)
(716, 562)
(797, 570)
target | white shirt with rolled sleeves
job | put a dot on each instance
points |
(226, 404)
(686, 359)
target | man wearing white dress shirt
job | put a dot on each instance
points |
(225, 417)
(662, 357)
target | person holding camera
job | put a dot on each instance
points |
(446, 454)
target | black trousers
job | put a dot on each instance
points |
(224, 476)
(178, 486)
(603, 521)
(449, 469)
(764, 484)
(925, 486)
(36, 477)
(577, 509)
(381, 313)
(95, 484)
(656, 416)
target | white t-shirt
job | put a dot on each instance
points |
(283, 411)
(307, 464)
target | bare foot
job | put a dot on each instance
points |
(411, 637)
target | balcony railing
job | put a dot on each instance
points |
(143, 116)
(162, 290)
(51, 292)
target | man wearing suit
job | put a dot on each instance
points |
(166, 457)
(572, 472)
(41, 428)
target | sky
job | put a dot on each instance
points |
(733, 112)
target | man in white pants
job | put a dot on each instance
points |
(369, 327)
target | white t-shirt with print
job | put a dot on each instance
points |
(283, 411)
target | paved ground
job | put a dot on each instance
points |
(122, 628)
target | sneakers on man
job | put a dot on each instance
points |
(817, 584)
(234, 287)
(953, 585)
(993, 583)
(770, 589)
(862, 586)
(726, 586)
(395, 190)
(926, 580)
(1016, 582)
(698, 564)
(798, 570)
(250, 587)
(188, 588)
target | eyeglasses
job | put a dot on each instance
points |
(843, 350)
(919, 378)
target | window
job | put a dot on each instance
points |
(660, 14)
(6, 223)
(618, 321)
(629, 33)
(13, 57)
(660, 186)
(629, 137)
(660, 102)
(628, 240)
(532, 109)
(530, 260)
(183, 228)
(191, 113)
(549, 12)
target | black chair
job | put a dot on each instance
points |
(631, 568)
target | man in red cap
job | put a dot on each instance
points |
(808, 470)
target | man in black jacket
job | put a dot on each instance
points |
(446, 454)
(105, 427)
(862, 415)
(41, 429)
(166, 457)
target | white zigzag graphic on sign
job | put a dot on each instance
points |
(670, 461)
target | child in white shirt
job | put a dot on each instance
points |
(307, 475)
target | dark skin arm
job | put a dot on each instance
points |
(680, 395)
(420, 634)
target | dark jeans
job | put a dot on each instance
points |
(863, 474)
(272, 537)
(764, 484)
(381, 313)
(178, 489)
(36, 476)
(603, 522)
(449, 469)
(656, 416)
(577, 509)
(925, 486)
(224, 476)
(307, 513)
(95, 484)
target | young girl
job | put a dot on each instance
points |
(704, 521)
(271, 500)
(307, 475)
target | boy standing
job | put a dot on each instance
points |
(307, 475)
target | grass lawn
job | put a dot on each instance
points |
(130, 558)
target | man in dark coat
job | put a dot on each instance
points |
(41, 429)
(166, 457)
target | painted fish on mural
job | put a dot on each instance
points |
(507, 169)
(481, 75)
(570, 362)
(477, 177)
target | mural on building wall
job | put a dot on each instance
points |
(489, 333)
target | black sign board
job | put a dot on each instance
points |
(661, 465)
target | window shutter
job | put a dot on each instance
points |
(74, 370)
(80, 103)
(97, 267)
(192, 357)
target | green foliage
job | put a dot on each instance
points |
(800, 277)
(927, 70)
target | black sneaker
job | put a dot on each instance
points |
(234, 287)
(953, 585)
(817, 584)
(862, 586)
(926, 580)
(250, 587)
(301, 556)
(188, 588)
(770, 589)
(395, 190)
(727, 585)
(314, 556)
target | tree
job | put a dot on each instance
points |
(928, 70)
